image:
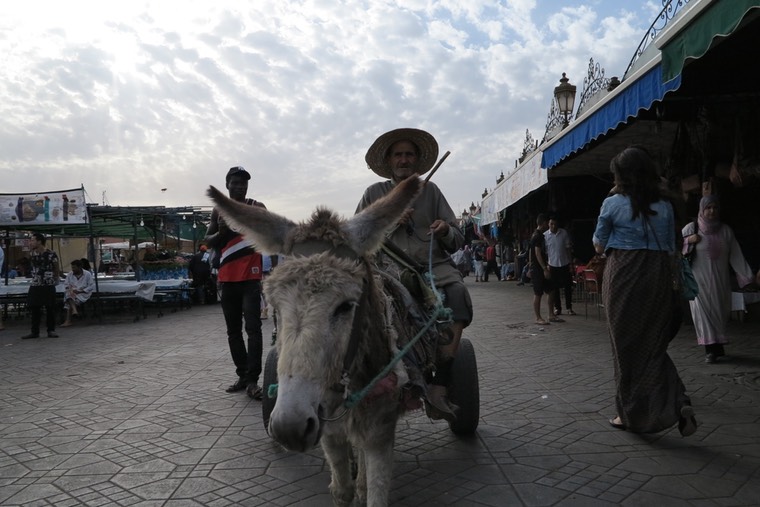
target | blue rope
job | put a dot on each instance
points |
(439, 311)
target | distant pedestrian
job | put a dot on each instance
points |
(45, 275)
(2, 271)
(559, 250)
(268, 263)
(78, 287)
(478, 260)
(199, 272)
(636, 228)
(467, 254)
(539, 272)
(490, 262)
(715, 249)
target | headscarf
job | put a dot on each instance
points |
(710, 228)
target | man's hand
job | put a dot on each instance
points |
(439, 228)
(693, 239)
(223, 228)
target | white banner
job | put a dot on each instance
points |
(522, 181)
(55, 207)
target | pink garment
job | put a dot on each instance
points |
(710, 228)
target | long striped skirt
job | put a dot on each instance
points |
(643, 316)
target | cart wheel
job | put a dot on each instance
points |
(464, 390)
(270, 377)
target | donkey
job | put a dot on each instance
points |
(337, 330)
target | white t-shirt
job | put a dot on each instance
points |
(558, 248)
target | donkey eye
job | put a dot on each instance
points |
(344, 307)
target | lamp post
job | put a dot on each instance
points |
(564, 93)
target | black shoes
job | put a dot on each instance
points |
(251, 389)
(711, 358)
(237, 386)
(50, 334)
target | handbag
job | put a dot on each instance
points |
(689, 287)
(692, 250)
(685, 282)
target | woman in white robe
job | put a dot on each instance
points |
(714, 248)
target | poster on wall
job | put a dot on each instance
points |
(42, 208)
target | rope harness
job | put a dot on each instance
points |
(439, 314)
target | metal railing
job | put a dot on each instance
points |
(668, 12)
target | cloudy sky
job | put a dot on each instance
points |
(128, 98)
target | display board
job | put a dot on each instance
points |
(43, 208)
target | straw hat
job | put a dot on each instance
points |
(376, 155)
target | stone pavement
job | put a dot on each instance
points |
(135, 414)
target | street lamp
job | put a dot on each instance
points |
(564, 93)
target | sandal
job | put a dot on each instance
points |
(542, 322)
(254, 392)
(687, 423)
(556, 319)
(617, 425)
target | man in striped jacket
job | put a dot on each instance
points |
(240, 272)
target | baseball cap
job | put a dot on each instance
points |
(238, 169)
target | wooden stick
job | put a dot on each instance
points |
(435, 168)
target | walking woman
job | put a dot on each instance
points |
(714, 248)
(636, 228)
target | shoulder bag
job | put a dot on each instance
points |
(684, 281)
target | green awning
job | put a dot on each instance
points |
(718, 20)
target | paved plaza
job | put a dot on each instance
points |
(135, 414)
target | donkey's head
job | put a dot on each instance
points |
(320, 295)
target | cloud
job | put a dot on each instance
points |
(170, 94)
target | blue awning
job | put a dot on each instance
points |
(627, 104)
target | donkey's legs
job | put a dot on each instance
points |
(361, 476)
(338, 454)
(378, 461)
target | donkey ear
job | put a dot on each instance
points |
(368, 228)
(267, 230)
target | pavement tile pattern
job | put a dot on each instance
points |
(135, 414)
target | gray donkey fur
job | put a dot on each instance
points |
(325, 284)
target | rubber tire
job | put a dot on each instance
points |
(270, 377)
(464, 390)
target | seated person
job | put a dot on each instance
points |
(78, 287)
(395, 156)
